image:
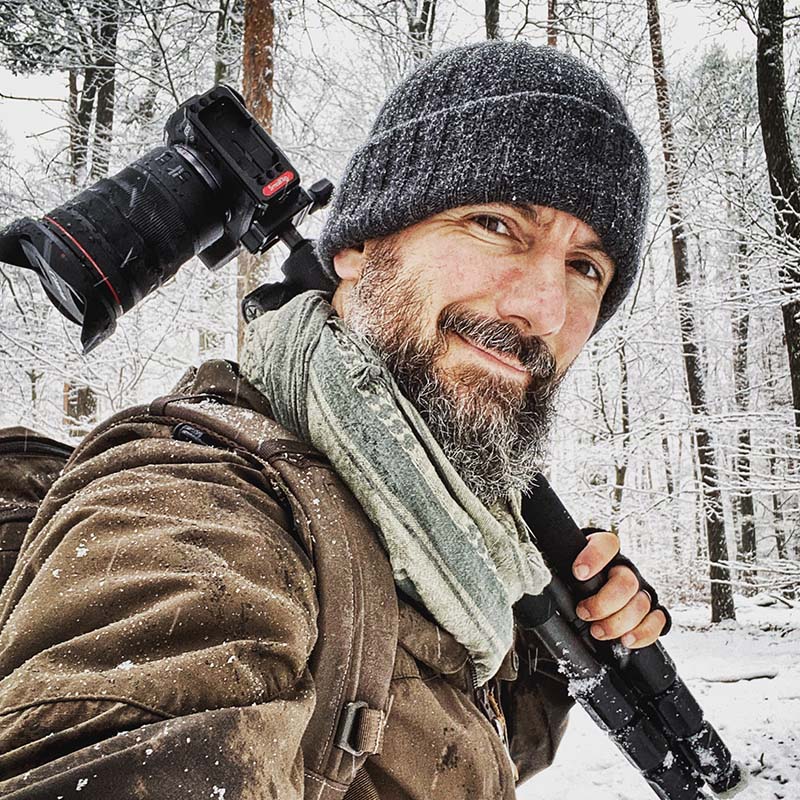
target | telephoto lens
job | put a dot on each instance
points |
(111, 245)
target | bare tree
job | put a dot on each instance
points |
(621, 464)
(721, 127)
(741, 377)
(721, 596)
(421, 20)
(784, 178)
(230, 18)
(81, 37)
(107, 27)
(258, 68)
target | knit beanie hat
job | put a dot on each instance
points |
(498, 122)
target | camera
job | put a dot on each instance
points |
(218, 184)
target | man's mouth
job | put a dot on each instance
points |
(496, 357)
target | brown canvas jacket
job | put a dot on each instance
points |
(156, 631)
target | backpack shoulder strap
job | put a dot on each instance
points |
(353, 658)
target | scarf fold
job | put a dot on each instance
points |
(468, 564)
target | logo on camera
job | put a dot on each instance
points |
(276, 184)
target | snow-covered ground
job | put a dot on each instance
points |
(746, 677)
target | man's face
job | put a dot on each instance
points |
(479, 311)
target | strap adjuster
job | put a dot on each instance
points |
(361, 729)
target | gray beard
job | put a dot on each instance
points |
(494, 432)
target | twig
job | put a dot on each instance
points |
(5, 96)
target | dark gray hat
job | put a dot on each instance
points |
(498, 122)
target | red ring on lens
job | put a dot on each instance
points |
(80, 247)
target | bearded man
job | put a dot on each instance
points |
(488, 227)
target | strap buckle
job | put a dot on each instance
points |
(361, 729)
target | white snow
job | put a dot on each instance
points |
(577, 687)
(746, 677)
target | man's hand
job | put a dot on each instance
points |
(620, 609)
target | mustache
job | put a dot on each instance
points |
(503, 337)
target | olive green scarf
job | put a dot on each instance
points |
(466, 563)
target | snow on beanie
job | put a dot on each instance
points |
(498, 122)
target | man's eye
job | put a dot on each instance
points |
(587, 268)
(492, 224)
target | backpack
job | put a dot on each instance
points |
(29, 463)
(353, 659)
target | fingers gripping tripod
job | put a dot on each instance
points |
(637, 696)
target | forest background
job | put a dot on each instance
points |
(678, 425)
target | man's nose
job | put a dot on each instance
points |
(534, 295)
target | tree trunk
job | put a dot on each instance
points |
(721, 596)
(79, 144)
(784, 179)
(491, 17)
(80, 409)
(552, 23)
(621, 461)
(228, 33)
(257, 88)
(743, 499)
(420, 28)
(147, 105)
(108, 28)
(677, 543)
(34, 376)
(744, 496)
(72, 121)
(220, 62)
(258, 61)
(780, 536)
(777, 508)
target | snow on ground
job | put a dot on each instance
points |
(746, 677)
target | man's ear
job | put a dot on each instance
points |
(349, 263)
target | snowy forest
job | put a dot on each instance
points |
(679, 425)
